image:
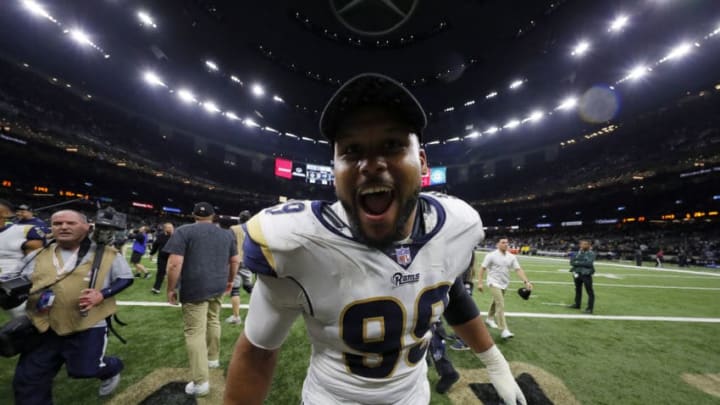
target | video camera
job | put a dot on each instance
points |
(107, 223)
(14, 291)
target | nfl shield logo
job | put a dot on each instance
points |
(402, 255)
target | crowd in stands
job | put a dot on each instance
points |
(698, 244)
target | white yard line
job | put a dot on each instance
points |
(612, 317)
(690, 277)
(625, 266)
(511, 314)
(664, 287)
(163, 304)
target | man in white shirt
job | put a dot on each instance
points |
(498, 265)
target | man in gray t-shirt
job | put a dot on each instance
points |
(205, 257)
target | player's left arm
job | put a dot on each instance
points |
(463, 316)
(35, 239)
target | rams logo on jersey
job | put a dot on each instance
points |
(399, 278)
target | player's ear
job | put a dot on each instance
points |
(423, 162)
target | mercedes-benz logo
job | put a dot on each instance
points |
(373, 17)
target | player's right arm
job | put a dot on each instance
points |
(275, 303)
(250, 373)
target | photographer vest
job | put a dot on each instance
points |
(64, 315)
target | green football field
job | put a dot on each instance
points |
(650, 328)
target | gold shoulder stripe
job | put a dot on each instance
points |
(256, 234)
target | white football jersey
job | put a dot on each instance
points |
(368, 312)
(12, 239)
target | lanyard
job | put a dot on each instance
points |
(68, 265)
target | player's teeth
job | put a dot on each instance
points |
(372, 190)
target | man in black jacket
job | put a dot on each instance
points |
(162, 257)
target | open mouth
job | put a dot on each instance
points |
(376, 200)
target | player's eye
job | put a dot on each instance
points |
(350, 150)
(393, 144)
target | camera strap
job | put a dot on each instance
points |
(97, 261)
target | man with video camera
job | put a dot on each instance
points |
(74, 281)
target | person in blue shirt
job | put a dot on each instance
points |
(138, 250)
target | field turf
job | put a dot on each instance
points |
(600, 361)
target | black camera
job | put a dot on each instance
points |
(18, 335)
(107, 223)
(14, 291)
(108, 217)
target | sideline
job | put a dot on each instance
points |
(625, 266)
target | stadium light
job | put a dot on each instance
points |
(678, 52)
(278, 99)
(491, 95)
(257, 90)
(80, 37)
(186, 96)
(211, 107)
(618, 23)
(235, 79)
(567, 104)
(581, 48)
(534, 116)
(491, 130)
(231, 116)
(210, 64)
(516, 84)
(153, 79)
(638, 72)
(473, 134)
(512, 124)
(145, 19)
(249, 122)
(469, 103)
(37, 9)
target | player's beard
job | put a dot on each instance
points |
(404, 213)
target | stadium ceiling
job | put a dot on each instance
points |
(480, 67)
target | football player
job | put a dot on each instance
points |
(369, 273)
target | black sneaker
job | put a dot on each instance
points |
(148, 275)
(137, 275)
(588, 311)
(446, 382)
(155, 291)
(573, 306)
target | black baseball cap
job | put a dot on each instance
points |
(203, 209)
(524, 293)
(368, 89)
(24, 207)
(244, 216)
